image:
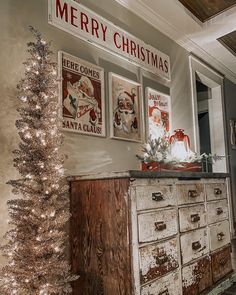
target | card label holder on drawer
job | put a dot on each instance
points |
(158, 259)
(217, 211)
(192, 217)
(197, 276)
(154, 196)
(160, 224)
(167, 285)
(219, 235)
(190, 193)
(194, 244)
(221, 263)
(215, 191)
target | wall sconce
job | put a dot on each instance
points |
(232, 124)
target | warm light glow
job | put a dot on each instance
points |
(24, 98)
(179, 151)
(57, 249)
(52, 214)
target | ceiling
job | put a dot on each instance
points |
(206, 9)
(198, 31)
(229, 41)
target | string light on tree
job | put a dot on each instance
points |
(35, 245)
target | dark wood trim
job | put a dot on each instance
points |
(229, 42)
(188, 4)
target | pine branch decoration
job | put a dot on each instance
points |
(156, 150)
(35, 244)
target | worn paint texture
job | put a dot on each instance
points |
(157, 225)
(192, 217)
(168, 285)
(158, 259)
(215, 191)
(197, 277)
(221, 263)
(190, 193)
(151, 197)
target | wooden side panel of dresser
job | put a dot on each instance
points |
(100, 251)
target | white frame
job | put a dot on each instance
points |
(217, 120)
(95, 67)
(147, 89)
(111, 108)
(215, 81)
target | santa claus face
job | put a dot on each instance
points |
(84, 88)
(125, 105)
(156, 116)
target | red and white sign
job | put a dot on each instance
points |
(81, 22)
(82, 96)
(158, 113)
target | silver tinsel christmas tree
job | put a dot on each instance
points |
(35, 244)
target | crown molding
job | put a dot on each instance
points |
(171, 31)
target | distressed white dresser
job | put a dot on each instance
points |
(149, 233)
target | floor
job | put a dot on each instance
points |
(232, 289)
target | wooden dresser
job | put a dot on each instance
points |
(149, 233)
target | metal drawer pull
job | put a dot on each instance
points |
(196, 245)
(165, 292)
(220, 236)
(192, 193)
(160, 225)
(223, 261)
(195, 217)
(162, 259)
(217, 191)
(219, 211)
(157, 196)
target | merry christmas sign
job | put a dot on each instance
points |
(82, 96)
(83, 23)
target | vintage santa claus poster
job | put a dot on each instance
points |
(82, 96)
(158, 113)
(125, 109)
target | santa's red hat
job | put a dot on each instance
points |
(131, 96)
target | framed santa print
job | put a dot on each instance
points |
(81, 95)
(126, 120)
(158, 113)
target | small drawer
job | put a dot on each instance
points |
(219, 235)
(192, 217)
(215, 191)
(157, 225)
(190, 193)
(217, 211)
(152, 197)
(167, 285)
(197, 276)
(221, 263)
(194, 244)
(157, 260)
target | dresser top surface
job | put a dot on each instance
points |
(148, 174)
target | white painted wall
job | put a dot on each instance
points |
(84, 153)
